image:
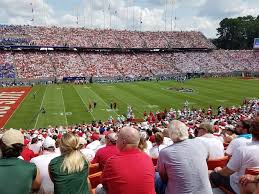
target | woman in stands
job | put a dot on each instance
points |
(69, 171)
(16, 175)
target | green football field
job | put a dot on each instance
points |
(67, 104)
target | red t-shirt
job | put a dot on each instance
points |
(27, 154)
(129, 172)
(103, 154)
(95, 136)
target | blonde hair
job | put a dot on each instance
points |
(74, 160)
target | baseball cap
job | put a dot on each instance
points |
(12, 136)
(49, 142)
(112, 137)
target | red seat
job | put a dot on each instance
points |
(94, 168)
(222, 162)
(252, 171)
(95, 179)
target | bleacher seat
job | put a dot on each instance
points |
(94, 168)
(95, 179)
(252, 171)
(222, 162)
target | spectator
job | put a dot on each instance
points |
(17, 176)
(182, 166)
(118, 177)
(27, 154)
(69, 171)
(103, 154)
(158, 145)
(35, 145)
(42, 162)
(244, 136)
(213, 143)
(243, 157)
(88, 153)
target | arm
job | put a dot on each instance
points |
(245, 179)
(161, 168)
(224, 171)
(50, 175)
(89, 185)
(37, 181)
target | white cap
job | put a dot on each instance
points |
(49, 142)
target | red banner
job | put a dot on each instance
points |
(10, 99)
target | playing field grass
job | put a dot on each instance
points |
(67, 104)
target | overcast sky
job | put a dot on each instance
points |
(153, 15)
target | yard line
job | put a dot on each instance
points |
(64, 107)
(103, 101)
(83, 101)
(40, 107)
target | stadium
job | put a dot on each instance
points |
(144, 90)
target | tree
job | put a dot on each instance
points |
(237, 33)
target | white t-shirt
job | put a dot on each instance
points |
(167, 141)
(88, 153)
(36, 147)
(242, 158)
(42, 162)
(236, 143)
(94, 145)
(214, 146)
(154, 151)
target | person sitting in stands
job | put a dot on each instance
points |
(16, 175)
(244, 136)
(158, 145)
(42, 162)
(182, 166)
(243, 157)
(130, 171)
(69, 171)
(103, 154)
(213, 143)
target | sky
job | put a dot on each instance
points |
(143, 15)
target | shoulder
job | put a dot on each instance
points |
(56, 160)
(26, 164)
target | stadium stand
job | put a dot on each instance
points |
(41, 62)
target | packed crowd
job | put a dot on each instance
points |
(36, 65)
(6, 67)
(81, 37)
(57, 159)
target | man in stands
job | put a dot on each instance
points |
(130, 171)
(27, 154)
(243, 157)
(182, 166)
(103, 154)
(213, 143)
(17, 176)
(42, 162)
(35, 144)
(244, 136)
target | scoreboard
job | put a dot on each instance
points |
(256, 43)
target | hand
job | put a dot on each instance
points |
(217, 169)
(245, 179)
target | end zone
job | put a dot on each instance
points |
(10, 99)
